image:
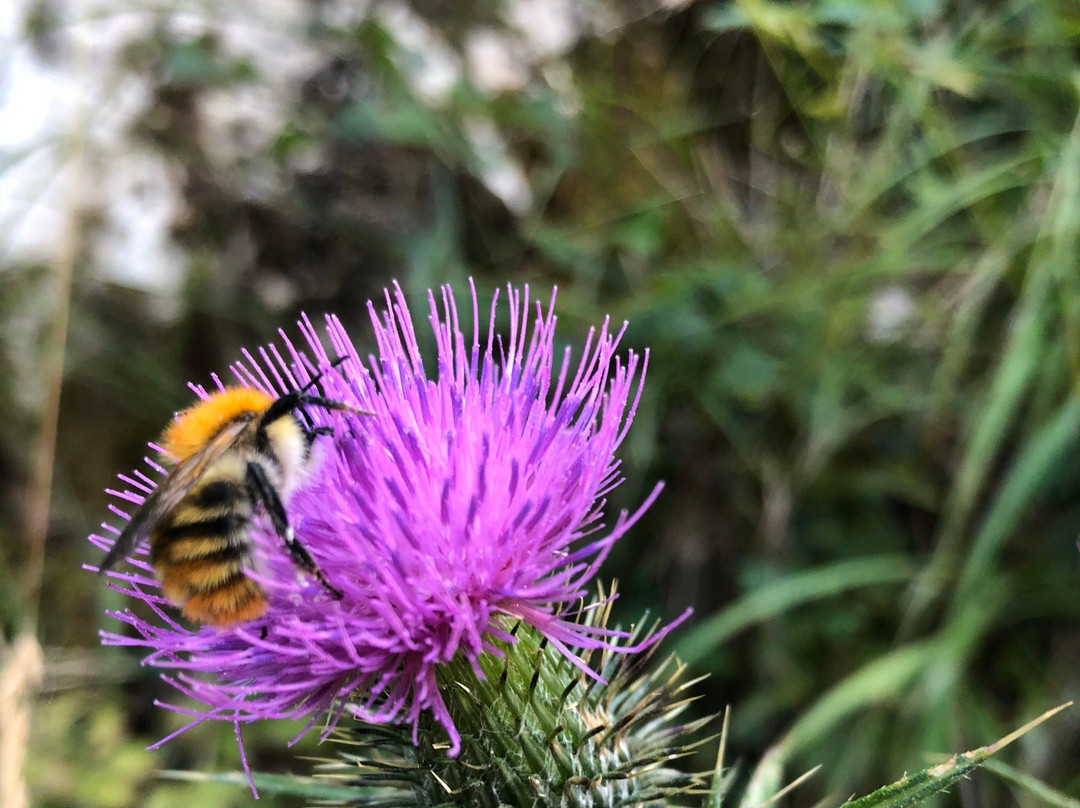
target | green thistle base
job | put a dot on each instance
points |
(535, 731)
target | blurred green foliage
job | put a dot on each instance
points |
(846, 231)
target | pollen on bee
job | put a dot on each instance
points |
(196, 425)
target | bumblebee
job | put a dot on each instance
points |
(236, 452)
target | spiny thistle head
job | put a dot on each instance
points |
(469, 499)
(535, 731)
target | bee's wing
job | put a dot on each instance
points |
(172, 490)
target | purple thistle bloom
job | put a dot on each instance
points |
(461, 504)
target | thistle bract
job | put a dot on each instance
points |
(472, 493)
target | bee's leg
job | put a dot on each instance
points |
(305, 419)
(311, 433)
(262, 491)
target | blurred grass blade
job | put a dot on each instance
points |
(922, 785)
(766, 781)
(783, 792)
(990, 423)
(1038, 789)
(794, 590)
(307, 787)
(878, 680)
(1053, 251)
(899, 244)
(1021, 486)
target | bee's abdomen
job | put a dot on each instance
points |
(217, 495)
(236, 600)
(184, 539)
(201, 553)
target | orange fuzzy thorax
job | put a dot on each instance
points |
(196, 425)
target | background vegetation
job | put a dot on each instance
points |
(847, 231)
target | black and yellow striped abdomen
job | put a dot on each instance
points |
(200, 552)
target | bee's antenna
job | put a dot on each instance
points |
(315, 379)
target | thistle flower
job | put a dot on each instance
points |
(462, 504)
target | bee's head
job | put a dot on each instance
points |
(285, 436)
(287, 440)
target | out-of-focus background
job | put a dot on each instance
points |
(847, 231)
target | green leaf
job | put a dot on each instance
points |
(405, 123)
(196, 62)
